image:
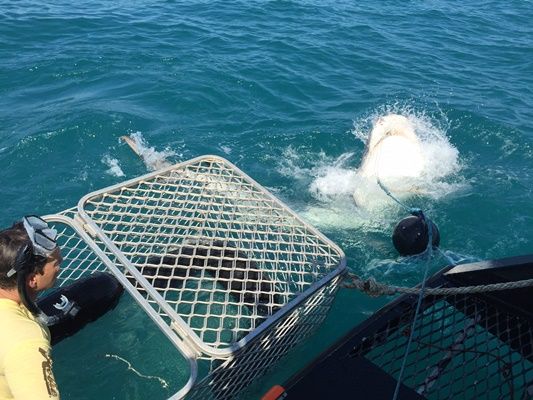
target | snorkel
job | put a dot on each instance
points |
(24, 265)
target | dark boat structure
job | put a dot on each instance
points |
(464, 346)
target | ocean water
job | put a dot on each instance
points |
(288, 91)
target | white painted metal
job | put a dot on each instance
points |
(82, 257)
(228, 272)
(219, 254)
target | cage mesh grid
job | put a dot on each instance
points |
(75, 250)
(164, 318)
(79, 259)
(227, 379)
(463, 348)
(222, 252)
(230, 378)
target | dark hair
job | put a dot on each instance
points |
(12, 240)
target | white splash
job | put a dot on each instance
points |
(114, 167)
(329, 180)
(289, 163)
(152, 158)
(333, 181)
(226, 149)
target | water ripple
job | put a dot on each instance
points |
(272, 84)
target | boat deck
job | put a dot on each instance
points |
(464, 346)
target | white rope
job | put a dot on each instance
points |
(163, 383)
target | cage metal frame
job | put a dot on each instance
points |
(183, 337)
(81, 235)
(179, 325)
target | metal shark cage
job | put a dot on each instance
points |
(226, 271)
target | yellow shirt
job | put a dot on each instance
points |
(25, 363)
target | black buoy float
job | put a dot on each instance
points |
(411, 235)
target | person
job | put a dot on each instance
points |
(29, 264)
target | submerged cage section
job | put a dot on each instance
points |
(79, 259)
(231, 378)
(229, 273)
(82, 256)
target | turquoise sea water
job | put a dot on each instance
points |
(286, 90)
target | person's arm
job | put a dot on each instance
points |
(28, 371)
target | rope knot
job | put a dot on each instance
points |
(372, 287)
(369, 286)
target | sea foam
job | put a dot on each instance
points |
(114, 167)
(152, 158)
(332, 181)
